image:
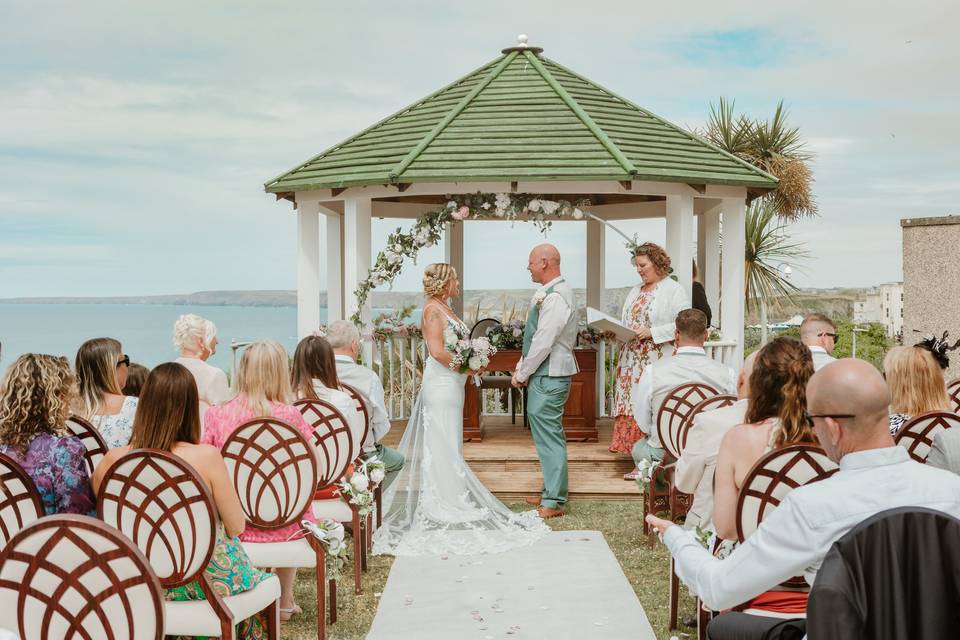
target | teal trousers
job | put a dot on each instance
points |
(546, 396)
(392, 463)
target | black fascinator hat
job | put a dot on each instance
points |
(939, 347)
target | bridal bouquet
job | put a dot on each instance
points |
(467, 354)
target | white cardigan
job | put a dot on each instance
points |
(669, 299)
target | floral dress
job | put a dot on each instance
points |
(634, 357)
(57, 467)
(230, 572)
(116, 429)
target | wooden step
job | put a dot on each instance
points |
(620, 466)
(594, 486)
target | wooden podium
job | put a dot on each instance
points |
(579, 414)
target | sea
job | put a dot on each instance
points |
(144, 330)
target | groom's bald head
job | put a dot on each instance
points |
(544, 263)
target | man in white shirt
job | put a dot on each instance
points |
(689, 363)
(818, 332)
(847, 403)
(344, 337)
(693, 472)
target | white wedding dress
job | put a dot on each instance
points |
(436, 505)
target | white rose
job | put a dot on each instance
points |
(334, 546)
(534, 205)
(538, 298)
(475, 362)
(550, 206)
(577, 214)
(517, 333)
(359, 482)
(451, 205)
(377, 475)
(336, 531)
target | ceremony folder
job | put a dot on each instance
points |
(608, 324)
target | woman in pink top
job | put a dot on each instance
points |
(263, 390)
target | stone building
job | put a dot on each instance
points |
(883, 305)
(931, 280)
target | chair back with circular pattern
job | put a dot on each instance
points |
(953, 390)
(361, 409)
(92, 441)
(158, 501)
(673, 412)
(918, 433)
(72, 577)
(331, 435)
(274, 470)
(20, 502)
(775, 475)
(716, 402)
(481, 327)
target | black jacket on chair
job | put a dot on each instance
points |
(895, 576)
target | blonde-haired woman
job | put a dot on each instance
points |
(196, 338)
(263, 390)
(36, 396)
(436, 504)
(916, 384)
(101, 369)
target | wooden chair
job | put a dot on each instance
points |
(92, 441)
(362, 409)
(336, 450)
(160, 503)
(680, 502)
(917, 435)
(20, 502)
(72, 577)
(953, 390)
(274, 470)
(502, 383)
(765, 486)
(673, 412)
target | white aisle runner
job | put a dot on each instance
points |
(567, 585)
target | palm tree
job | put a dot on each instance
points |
(771, 146)
(768, 252)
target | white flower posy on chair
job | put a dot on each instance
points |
(330, 534)
(357, 489)
(645, 475)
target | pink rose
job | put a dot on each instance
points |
(462, 213)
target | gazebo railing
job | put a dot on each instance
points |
(399, 363)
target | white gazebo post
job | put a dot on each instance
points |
(596, 283)
(453, 255)
(732, 298)
(710, 266)
(334, 266)
(680, 239)
(356, 262)
(308, 268)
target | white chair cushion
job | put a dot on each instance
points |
(334, 509)
(196, 617)
(283, 555)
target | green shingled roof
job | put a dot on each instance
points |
(521, 117)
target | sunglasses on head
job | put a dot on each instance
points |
(124, 360)
(836, 416)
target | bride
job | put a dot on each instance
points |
(437, 505)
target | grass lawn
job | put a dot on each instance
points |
(646, 569)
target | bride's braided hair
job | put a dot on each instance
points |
(436, 277)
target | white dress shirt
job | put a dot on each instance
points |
(794, 538)
(344, 404)
(554, 314)
(686, 364)
(368, 384)
(820, 357)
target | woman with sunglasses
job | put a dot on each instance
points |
(102, 373)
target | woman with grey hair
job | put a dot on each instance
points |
(196, 338)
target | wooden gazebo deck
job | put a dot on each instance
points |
(506, 461)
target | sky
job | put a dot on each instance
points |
(135, 138)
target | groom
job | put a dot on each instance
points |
(546, 368)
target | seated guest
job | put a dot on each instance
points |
(168, 419)
(344, 337)
(315, 378)
(136, 376)
(689, 363)
(916, 384)
(263, 390)
(818, 332)
(694, 470)
(196, 338)
(101, 369)
(774, 419)
(35, 400)
(847, 403)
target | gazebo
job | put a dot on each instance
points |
(523, 124)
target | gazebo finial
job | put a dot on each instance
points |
(523, 46)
